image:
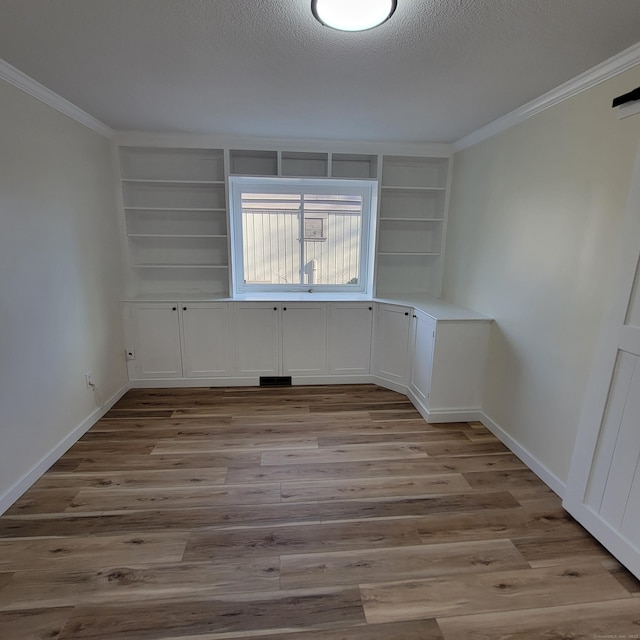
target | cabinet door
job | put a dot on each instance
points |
(257, 342)
(391, 343)
(304, 338)
(157, 340)
(424, 331)
(206, 341)
(349, 338)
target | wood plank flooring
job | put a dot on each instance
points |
(311, 513)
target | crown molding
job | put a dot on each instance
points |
(23, 82)
(608, 69)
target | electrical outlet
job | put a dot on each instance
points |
(88, 378)
(131, 355)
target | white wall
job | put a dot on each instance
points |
(60, 281)
(532, 233)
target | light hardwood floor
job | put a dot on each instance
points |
(318, 513)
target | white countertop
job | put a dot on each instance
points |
(437, 308)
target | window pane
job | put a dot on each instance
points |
(333, 224)
(271, 238)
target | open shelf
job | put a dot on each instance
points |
(157, 164)
(416, 172)
(350, 165)
(304, 164)
(253, 163)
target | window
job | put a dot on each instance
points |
(295, 234)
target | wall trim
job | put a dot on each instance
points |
(436, 416)
(58, 451)
(22, 81)
(608, 69)
(547, 476)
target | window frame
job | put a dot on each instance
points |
(367, 189)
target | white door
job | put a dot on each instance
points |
(157, 340)
(206, 340)
(349, 337)
(603, 488)
(424, 331)
(304, 338)
(391, 343)
(257, 338)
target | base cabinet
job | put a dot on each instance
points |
(448, 367)
(439, 363)
(349, 338)
(391, 343)
(155, 329)
(257, 339)
(206, 349)
(180, 340)
(304, 339)
(423, 339)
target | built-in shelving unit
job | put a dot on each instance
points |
(413, 196)
(176, 218)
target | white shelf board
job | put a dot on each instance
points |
(172, 182)
(408, 253)
(392, 219)
(180, 266)
(176, 209)
(389, 187)
(176, 235)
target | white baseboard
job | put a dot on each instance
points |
(435, 416)
(388, 384)
(547, 476)
(57, 452)
(254, 381)
(181, 383)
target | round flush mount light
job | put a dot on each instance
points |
(352, 15)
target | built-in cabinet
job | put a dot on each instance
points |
(438, 363)
(182, 326)
(448, 365)
(243, 341)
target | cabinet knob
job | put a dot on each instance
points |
(370, 308)
(275, 308)
(184, 308)
(414, 315)
(174, 308)
(406, 313)
(284, 308)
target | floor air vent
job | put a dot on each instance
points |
(275, 381)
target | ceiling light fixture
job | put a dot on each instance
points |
(352, 15)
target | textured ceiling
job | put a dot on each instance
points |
(436, 71)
